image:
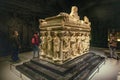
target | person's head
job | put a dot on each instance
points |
(36, 34)
(111, 35)
(15, 33)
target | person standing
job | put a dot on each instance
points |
(113, 46)
(15, 46)
(35, 44)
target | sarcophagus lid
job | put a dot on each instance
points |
(65, 20)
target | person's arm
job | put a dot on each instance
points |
(18, 42)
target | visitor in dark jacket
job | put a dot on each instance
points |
(15, 46)
(113, 46)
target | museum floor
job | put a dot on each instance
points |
(108, 71)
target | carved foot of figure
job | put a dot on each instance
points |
(77, 54)
(81, 52)
(41, 57)
(49, 56)
(85, 51)
(56, 59)
(74, 54)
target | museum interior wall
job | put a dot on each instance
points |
(23, 16)
(24, 25)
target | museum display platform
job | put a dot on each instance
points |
(80, 68)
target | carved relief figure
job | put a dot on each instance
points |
(56, 46)
(43, 43)
(82, 42)
(66, 44)
(78, 43)
(49, 44)
(87, 42)
(66, 41)
(86, 20)
(73, 43)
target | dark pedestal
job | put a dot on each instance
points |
(79, 68)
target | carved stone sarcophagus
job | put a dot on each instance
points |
(64, 37)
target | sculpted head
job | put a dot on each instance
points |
(74, 9)
(74, 13)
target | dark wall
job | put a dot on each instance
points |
(23, 16)
(104, 15)
(24, 25)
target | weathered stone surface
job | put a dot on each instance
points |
(64, 37)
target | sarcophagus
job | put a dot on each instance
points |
(64, 37)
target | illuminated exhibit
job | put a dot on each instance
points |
(64, 36)
(65, 42)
